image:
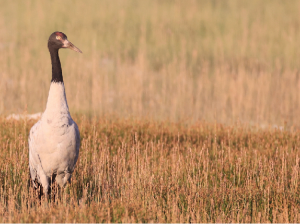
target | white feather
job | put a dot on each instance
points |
(23, 116)
(54, 141)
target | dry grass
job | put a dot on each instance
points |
(176, 60)
(160, 62)
(143, 171)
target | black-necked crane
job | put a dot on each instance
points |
(54, 140)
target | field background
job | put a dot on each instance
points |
(177, 60)
(145, 171)
(170, 98)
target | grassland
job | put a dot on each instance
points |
(144, 171)
(170, 98)
(176, 60)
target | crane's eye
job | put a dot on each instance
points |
(58, 37)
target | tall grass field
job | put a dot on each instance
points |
(176, 60)
(145, 171)
(189, 111)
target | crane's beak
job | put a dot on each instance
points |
(68, 44)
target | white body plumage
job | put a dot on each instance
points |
(54, 141)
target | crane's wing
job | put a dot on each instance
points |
(77, 143)
(35, 164)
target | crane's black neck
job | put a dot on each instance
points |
(56, 66)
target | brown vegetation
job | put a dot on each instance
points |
(144, 171)
(198, 63)
(212, 60)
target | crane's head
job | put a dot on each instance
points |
(59, 40)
